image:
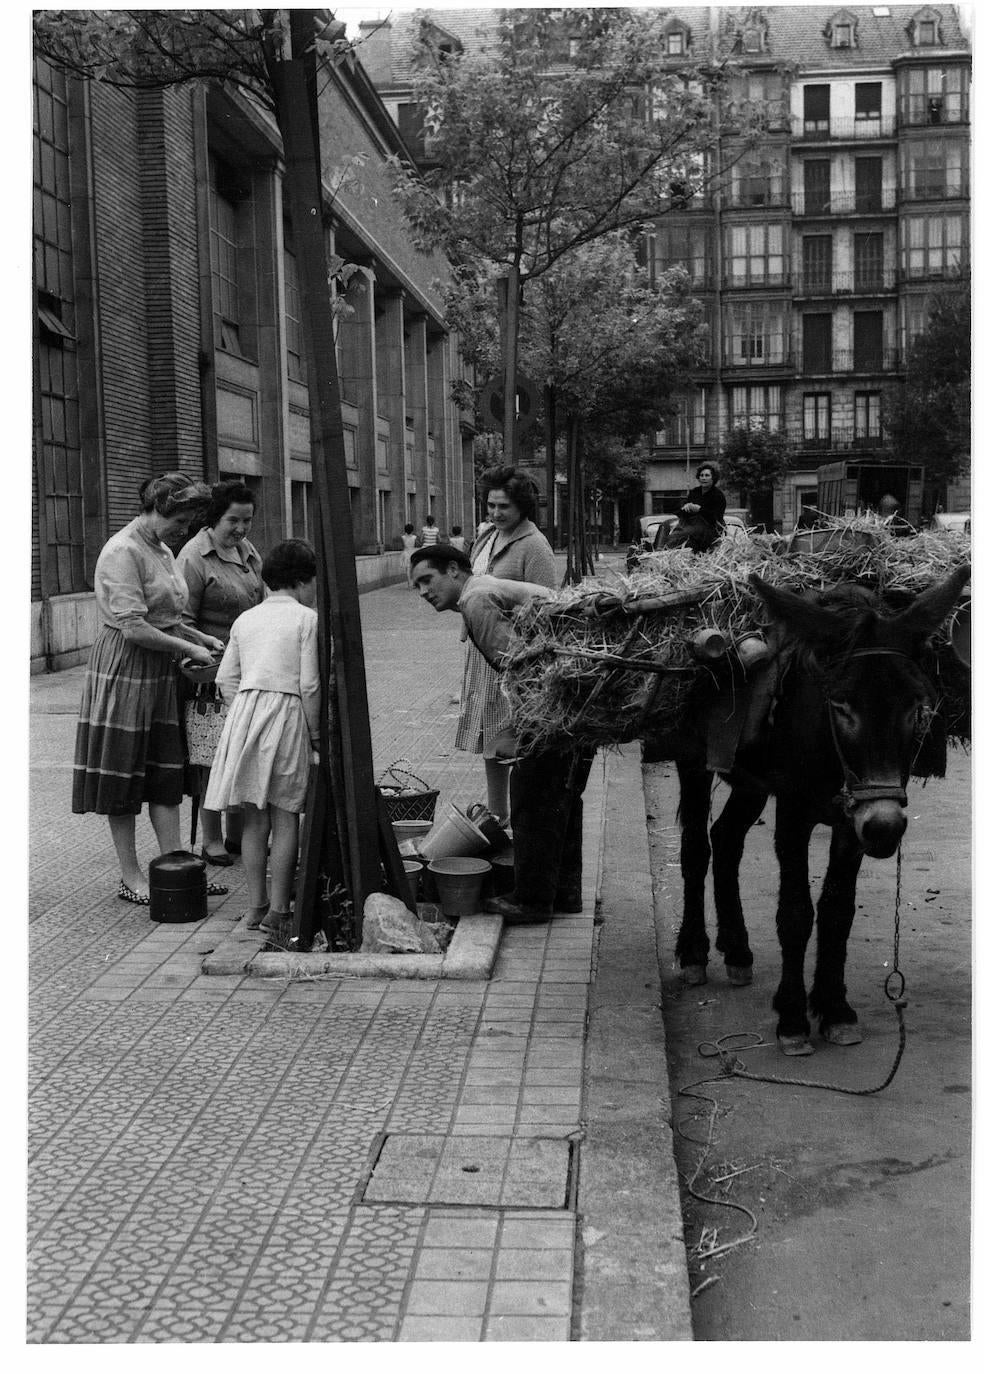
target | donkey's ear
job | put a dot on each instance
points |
(813, 624)
(930, 609)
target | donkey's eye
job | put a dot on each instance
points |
(843, 708)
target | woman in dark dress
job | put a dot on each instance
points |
(702, 514)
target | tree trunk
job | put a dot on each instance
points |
(346, 735)
(550, 426)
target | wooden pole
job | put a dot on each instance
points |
(339, 626)
(510, 365)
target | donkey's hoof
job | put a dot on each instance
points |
(846, 1033)
(693, 975)
(739, 975)
(795, 1045)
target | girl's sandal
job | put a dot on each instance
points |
(276, 923)
(216, 890)
(259, 915)
(127, 894)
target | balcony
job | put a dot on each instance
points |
(839, 439)
(849, 360)
(866, 281)
(778, 356)
(817, 204)
(755, 280)
(843, 127)
(936, 189)
(754, 197)
(927, 111)
(924, 272)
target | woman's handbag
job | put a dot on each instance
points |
(204, 717)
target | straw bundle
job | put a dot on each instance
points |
(609, 661)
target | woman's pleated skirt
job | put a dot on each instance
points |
(128, 744)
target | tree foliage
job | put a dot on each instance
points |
(560, 127)
(930, 419)
(754, 459)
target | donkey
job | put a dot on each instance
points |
(850, 708)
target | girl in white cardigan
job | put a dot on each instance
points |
(269, 673)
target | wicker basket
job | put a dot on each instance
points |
(413, 800)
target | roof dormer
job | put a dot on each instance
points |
(925, 29)
(749, 30)
(841, 30)
(676, 38)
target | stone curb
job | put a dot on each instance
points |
(471, 954)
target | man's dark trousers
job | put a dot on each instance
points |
(545, 791)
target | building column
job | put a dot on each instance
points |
(415, 336)
(356, 360)
(391, 399)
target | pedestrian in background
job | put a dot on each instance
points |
(128, 744)
(430, 534)
(223, 572)
(511, 547)
(409, 541)
(458, 540)
(546, 785)
(270, 676)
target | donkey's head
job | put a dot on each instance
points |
(878, 701)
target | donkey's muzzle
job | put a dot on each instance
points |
(879, 826)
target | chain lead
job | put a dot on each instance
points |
(895, 982)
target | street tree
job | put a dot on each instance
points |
(276, 59)
(754, 460)
(559, 128)
(929, 422)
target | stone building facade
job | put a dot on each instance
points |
(168, 331)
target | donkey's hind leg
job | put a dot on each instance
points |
(692, 944)
(738, 815)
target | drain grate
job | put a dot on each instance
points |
(471, 1171)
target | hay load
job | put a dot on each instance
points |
(615, 660)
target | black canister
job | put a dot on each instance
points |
(178, 887)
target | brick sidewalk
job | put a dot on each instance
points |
(246, 1159)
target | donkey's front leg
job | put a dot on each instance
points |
(738, 815)
(692, 944)
(835, 916)
(794, 922)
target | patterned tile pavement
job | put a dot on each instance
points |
(200, 1147)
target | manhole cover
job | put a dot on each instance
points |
(471, 1171)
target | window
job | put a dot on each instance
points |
(691, 414)
(410, 121)
(868, 184)
(756, 407)
(224, 237)
(934, 245)
(675, 44)
(868, 333)
(817, 260)
(758, 181)
(300, 507)
(867, 100)
(753, 40)
(59, 470)
(816, 182)
(935, 95)
(816, 109)
(843, 36)
(816, 417)
(936, 170)
(756, 334)
(926, 33)
(867, 415)
(683, 245)
(869, 261)
(915, 310)
(755, 254)
(292, 314)
(817, 337)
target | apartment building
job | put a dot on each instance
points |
(816, 254)
(168, 330)
(816, 249)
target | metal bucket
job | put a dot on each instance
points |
(178, 887)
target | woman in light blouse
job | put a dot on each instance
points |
(128, 744)
(223, 572)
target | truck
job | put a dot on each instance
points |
(850, 488)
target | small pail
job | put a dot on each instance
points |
(454, 836)
(482, 817)
(459, 884)
(178, 887)
(413, 871)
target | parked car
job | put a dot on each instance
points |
(950, 522)
(655, 531)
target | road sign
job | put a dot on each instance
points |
(492, 409)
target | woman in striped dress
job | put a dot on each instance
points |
(514, 548)
(128, 745)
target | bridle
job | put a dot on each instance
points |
(854, 792)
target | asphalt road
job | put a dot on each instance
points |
(854, 1211)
